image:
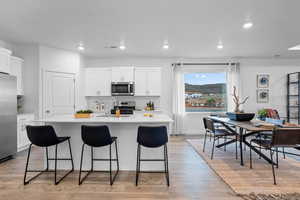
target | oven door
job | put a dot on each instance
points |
(122, 89)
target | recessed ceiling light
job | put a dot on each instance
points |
(122, 47)
(166, 46)
(80, 46)
(247, 25)
(295, 48)
(220, 46)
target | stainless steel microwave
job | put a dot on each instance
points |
(122, 88)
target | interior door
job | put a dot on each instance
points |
(59, 94)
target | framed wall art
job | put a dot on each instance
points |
(262, 95)
(263, 80)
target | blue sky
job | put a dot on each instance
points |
(204, 78)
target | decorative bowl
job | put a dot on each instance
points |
(240, 116)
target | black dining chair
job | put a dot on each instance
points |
(152, 137)
(98, 136)
(45, 136)
(219, 133)
(281, 137)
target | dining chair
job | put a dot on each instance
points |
(281, 137)
(219, 133)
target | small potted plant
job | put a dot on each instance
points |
(83, 114)
(262, 114)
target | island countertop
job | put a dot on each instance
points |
(125, 128)
(101, 118)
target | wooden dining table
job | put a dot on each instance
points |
(243, 129)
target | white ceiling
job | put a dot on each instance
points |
(192, 27)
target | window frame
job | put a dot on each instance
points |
(206, 72)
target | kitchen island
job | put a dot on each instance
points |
(124, 127)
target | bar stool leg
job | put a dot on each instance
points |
(27, 162)
(137, 165)
(71, 156)
(55, 167)
(116, 146)
(110, 174)
(80, 169)
(47, 157)
(92, 158)
(166, 164)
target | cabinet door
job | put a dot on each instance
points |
(16, 70)
(154, 82)
(23, 121)
(5, 60)
(98, 82)
(122, 74)
(141, 82)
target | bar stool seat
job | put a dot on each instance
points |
(45, 136)
(152, 137)
(98, 136)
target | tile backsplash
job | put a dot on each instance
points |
(109, 101)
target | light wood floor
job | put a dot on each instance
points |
(190, 178)
(257, 180)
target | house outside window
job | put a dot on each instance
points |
(205, 92)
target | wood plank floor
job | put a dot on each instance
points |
(190, 178)
(257, 180)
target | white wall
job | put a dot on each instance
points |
(58, 60)
(30, 73)
(278, 70)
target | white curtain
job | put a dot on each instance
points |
(233, 79)
(178, 71)
(178, 99)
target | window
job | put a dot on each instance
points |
(205, 92)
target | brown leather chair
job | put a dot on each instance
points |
(281, 137)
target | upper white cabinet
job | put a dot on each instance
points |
(147, 81)
(98, 81)
(122, 74)
(5, 60)
(16, 70)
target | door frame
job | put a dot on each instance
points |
(43, 88)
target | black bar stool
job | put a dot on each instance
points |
(152, 137)
(45, 136)
(98, 136)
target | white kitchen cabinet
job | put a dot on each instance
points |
(23, 121)
(98, 82)
(5, 60)
(122, 74)
(147, 81)
(16, 70)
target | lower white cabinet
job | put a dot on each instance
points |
(23, 121)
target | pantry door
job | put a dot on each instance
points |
(59, 94)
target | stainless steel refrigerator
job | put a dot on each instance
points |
(8, 116)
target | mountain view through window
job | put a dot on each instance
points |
(205, 92)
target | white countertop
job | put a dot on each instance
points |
(136, 118)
